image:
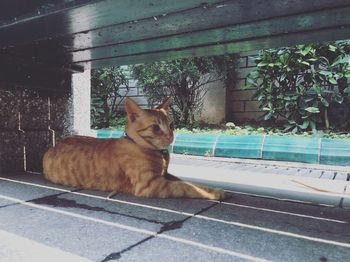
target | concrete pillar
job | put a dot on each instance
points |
(81, 87)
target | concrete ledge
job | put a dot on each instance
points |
(282, 148)
(305, 189)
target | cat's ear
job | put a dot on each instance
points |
(166, 103)
(132, 109)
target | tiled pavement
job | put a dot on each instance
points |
(40, 221)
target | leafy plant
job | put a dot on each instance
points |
(106, 95)
(305, 84)
(185, 80)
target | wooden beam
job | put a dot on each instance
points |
(82, 16)
(220, 49)
(297, 25)
(229, 21)
(222, 14)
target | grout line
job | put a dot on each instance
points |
(166, 227)
(319, 151)
(150, 234)
(262, 147)
(214, 145)
(285, 213)
(181, 240)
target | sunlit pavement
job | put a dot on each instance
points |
(40, 221)
(319, 184)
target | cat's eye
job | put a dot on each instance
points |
(155, 128)
(171, 126)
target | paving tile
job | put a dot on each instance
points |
(109, 210)
(158, 249)
(292, 220)
(304, 209)
(86, 238)
(301, 172)
(327, 175)
(256, 242)
(341, 176)
(180, 205)
(4, 203)
(16, 248)
(34, 179)
(23, 192)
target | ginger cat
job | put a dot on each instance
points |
(135, 164)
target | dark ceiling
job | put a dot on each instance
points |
(43, 42)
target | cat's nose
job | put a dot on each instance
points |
(168, 136)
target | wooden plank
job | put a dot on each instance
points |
(85, 17)
(334, 18)
(220, 49)
(213, 16)
(13, 11)
(221, 15)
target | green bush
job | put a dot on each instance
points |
(185, 80)
(106, 96)
(304, 85)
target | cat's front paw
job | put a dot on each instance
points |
(218, 194)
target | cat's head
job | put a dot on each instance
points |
(150, 128)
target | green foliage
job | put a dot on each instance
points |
(106, 95)
(305, 85)
(185, 80)
(256, 129)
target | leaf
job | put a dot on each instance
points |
(288, 127)
(313, 110)
(284, 58)
(254, 74)
(306, 50)
(347, 90)
(332, 48)
(305, 124)
(332, 81)
(324, 102)
(313, 125)
(261, 64)
(268, 116)
(325, 73)
(338, 98)
(341, 59)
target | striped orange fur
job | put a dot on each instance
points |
(130, 165)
